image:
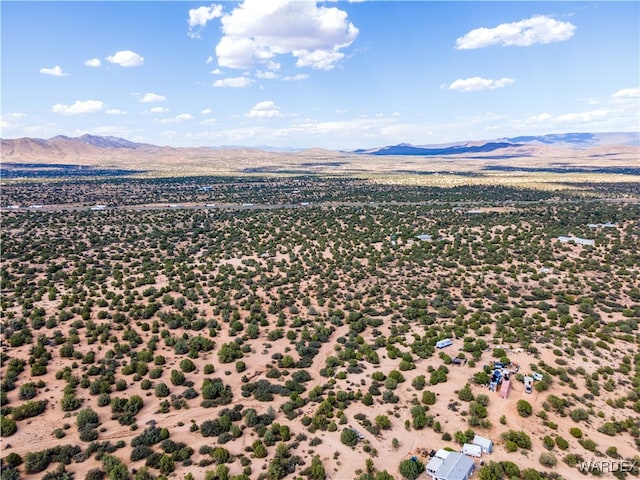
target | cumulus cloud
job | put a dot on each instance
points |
(571, 118)
(475, 84)
(152, 98)
(55, 71)
(626, 93)
(93, 62)
(256, 32)
(582, 117)
(126, 58)
(115, 111)
(266, 75)
(158, 110)
(236, 82)
(266, 109)
(537, 29)
(183, 117)
(79, 107)
(199, 17)
(296, 78)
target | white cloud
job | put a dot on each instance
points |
(236, 82)
(115, 111)
(183, 117)
(296, 78)
(581, 117)
(266, 109)
(318, 59)
(537, 29)
(126, 58)
(257, 31)
(158, 109)
(93, 62)
(571, 118)
(199, 17)
(475, 84)
(209, 59)
(542, 117)
(79, 107)
(55, 71)
(152, 98)
(206, 111)
(266, 75)
(627, 93)
(216, 71)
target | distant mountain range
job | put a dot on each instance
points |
(106, 151)
(562, 140)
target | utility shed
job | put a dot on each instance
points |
(456, 466)
(484, 443)
(472, 450)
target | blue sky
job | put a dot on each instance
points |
(299, 73)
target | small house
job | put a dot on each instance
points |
(484, 443)
(444, 343)
(472, 450)
(576, 240)
(456, 466)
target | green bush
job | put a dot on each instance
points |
(349, 437)
(562, 443)
(547, 459)
(411, 469)
(428, 397)
(524, 408)
(7, 426)
(575, 432)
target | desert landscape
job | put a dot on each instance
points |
(243, 314)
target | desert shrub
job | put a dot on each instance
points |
(562, 443)
(411, 469)
(524, 408)
(95, 474)
(140, 452)
(88, 434)
(575, 432)
(349, 437)
(259, 450)
(162, 390)
(579, 414)
(465, 393)
(229, 352)
(28, 409)
(521, 439)
(186, 365)
(7, 426)
(428, 397)
(150, 436)
(588, 444)
(383, 422)
(27, 391)
(215, 392)
(547, 459)
(87, 418)
(12, 460)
